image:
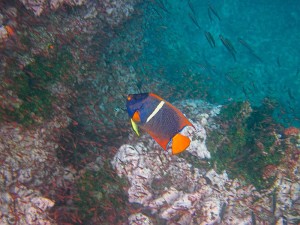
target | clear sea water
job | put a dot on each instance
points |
(176, 49)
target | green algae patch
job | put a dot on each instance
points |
(32, 86)
(245, 143)
(101, 195)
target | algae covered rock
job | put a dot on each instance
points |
(245, 142)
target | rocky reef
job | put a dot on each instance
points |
(186, 189)
(68, 155)
(45, 50)
(30, 172)
(113, 12)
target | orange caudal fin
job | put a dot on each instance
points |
(180, 143)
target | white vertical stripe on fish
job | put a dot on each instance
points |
(158, 107)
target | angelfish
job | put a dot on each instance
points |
(160, 119)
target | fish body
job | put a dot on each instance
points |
(191, 7)
(210, 39)
(212, 9)
(246, 45)
(160, 119)
(228, 46)
(194, 20)
(161, 5)
(209, 15)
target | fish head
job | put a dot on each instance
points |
(134, 103)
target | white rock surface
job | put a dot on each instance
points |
(139, 219)
(197, 134)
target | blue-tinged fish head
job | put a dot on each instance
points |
(134, 102)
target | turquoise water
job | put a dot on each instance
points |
(176, 49)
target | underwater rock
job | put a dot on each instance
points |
(217, 180)
(197, 134)
(39, 204)
(28, 165)
(39, 6)
(116, 11)
(165, 183)
(139, 218)
(171, 187)
(55, 4)
(36, 6)
(24, 206)
(179, 192)
(3, 34)
(8, 23)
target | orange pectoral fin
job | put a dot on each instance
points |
(179, 143)
(136, 117)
